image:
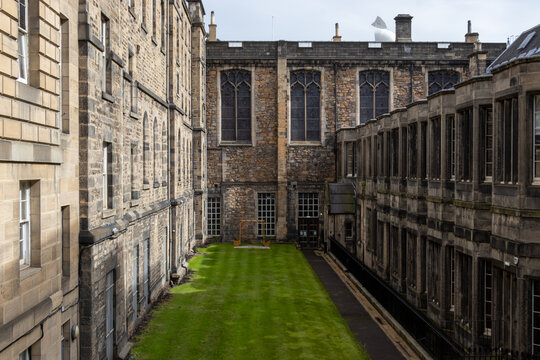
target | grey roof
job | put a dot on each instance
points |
(527, 45)
(342, 198)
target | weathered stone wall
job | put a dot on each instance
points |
(39, 143)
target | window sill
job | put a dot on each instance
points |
(236, 144)
(134, 115)
(28, 271)
(163, 51)
(156, 184)
(107, 213)
(107, 96)
(306, 143)
(134, 203)
(154, 41)
(132, 12)
(146, 186)
(143, 27)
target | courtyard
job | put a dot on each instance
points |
(248, 304)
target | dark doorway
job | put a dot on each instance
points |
(308, 220)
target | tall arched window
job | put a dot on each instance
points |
(146, 148)
(374, 99)
(305, 105)
(236, 105)
(442, 79)
(156, 150)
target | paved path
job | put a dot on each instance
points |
(362, 325)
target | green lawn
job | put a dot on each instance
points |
(248, 304)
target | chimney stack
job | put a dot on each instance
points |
(470, 37)
(212, 35)
(337, 38)
(403, 28)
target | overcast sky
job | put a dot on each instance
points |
(313, 20)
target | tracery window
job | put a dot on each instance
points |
(236, 105)
(374, 100)
(442, 79)
(305, 105)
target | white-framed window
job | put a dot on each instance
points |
(486, 114)
(109, 315)
(266, 210)
(106, 176)
(213, 226)
(22, 41)
(24, 223)
(25, 355)
(488, 298)
(535, 314)
(105, 38)
(536, 139)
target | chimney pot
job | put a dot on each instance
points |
(212, 33)
(470, 37)
(337, 38)
(403, 27)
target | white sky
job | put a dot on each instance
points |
(313, 20)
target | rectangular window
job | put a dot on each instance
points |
(535, 310)
(308, 205)
(214, 216)
(146, 269)
(110, 314)
(154, 18)
(105, 38)
(435, 150)
(25, 355)
(350, 160)
(305, 105)
(451, 266)
(66, 341)
(536, 138)
(379, 247)
(164, 250)
(24, 223)
(466, 144)
(413, 151)
(106, 176)
(411, 259)
(236, 106)
(465, 285)
(486, 129)
(423, 151)
(135, 284)
(22, 41)
(133, 161)
(163, 38)
(433, 258)
(266, 210)
(404, 152)
(66, 241)
(508, 128)
(348, 229)
(374, 95)
(394, 244)
(143, 8)
(488, 297)
(394, 152)
(451, 146)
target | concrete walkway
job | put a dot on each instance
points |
(362, 325)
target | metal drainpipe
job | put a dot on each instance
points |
(335, 122)
(168, 148)
(411, 71)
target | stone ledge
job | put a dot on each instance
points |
(107, 96)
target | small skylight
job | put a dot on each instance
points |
(375, 45)
(235, 44)
(304, 44)
(443, 45)
(527, 40)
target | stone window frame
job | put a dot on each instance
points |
(109, 294)
(221, 142)
(270, 231)
(360, 69)
(323, 118)
(32, 259)
(535, 118)
(483, 111)
(107, 176)
(535, 294)
(459, 71)
(350, 159)
(464, 136)
(507, 163)
(434, 148)
(22, 42)
(65, 235)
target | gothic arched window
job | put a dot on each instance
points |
(374, 99)
(442, 79)
(236, 105)
(305, 105)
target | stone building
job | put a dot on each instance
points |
(39, 179)
(448, 203)
(274, 109)
(138, 137)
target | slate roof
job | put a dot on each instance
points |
(342, 198)
(527, 45)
